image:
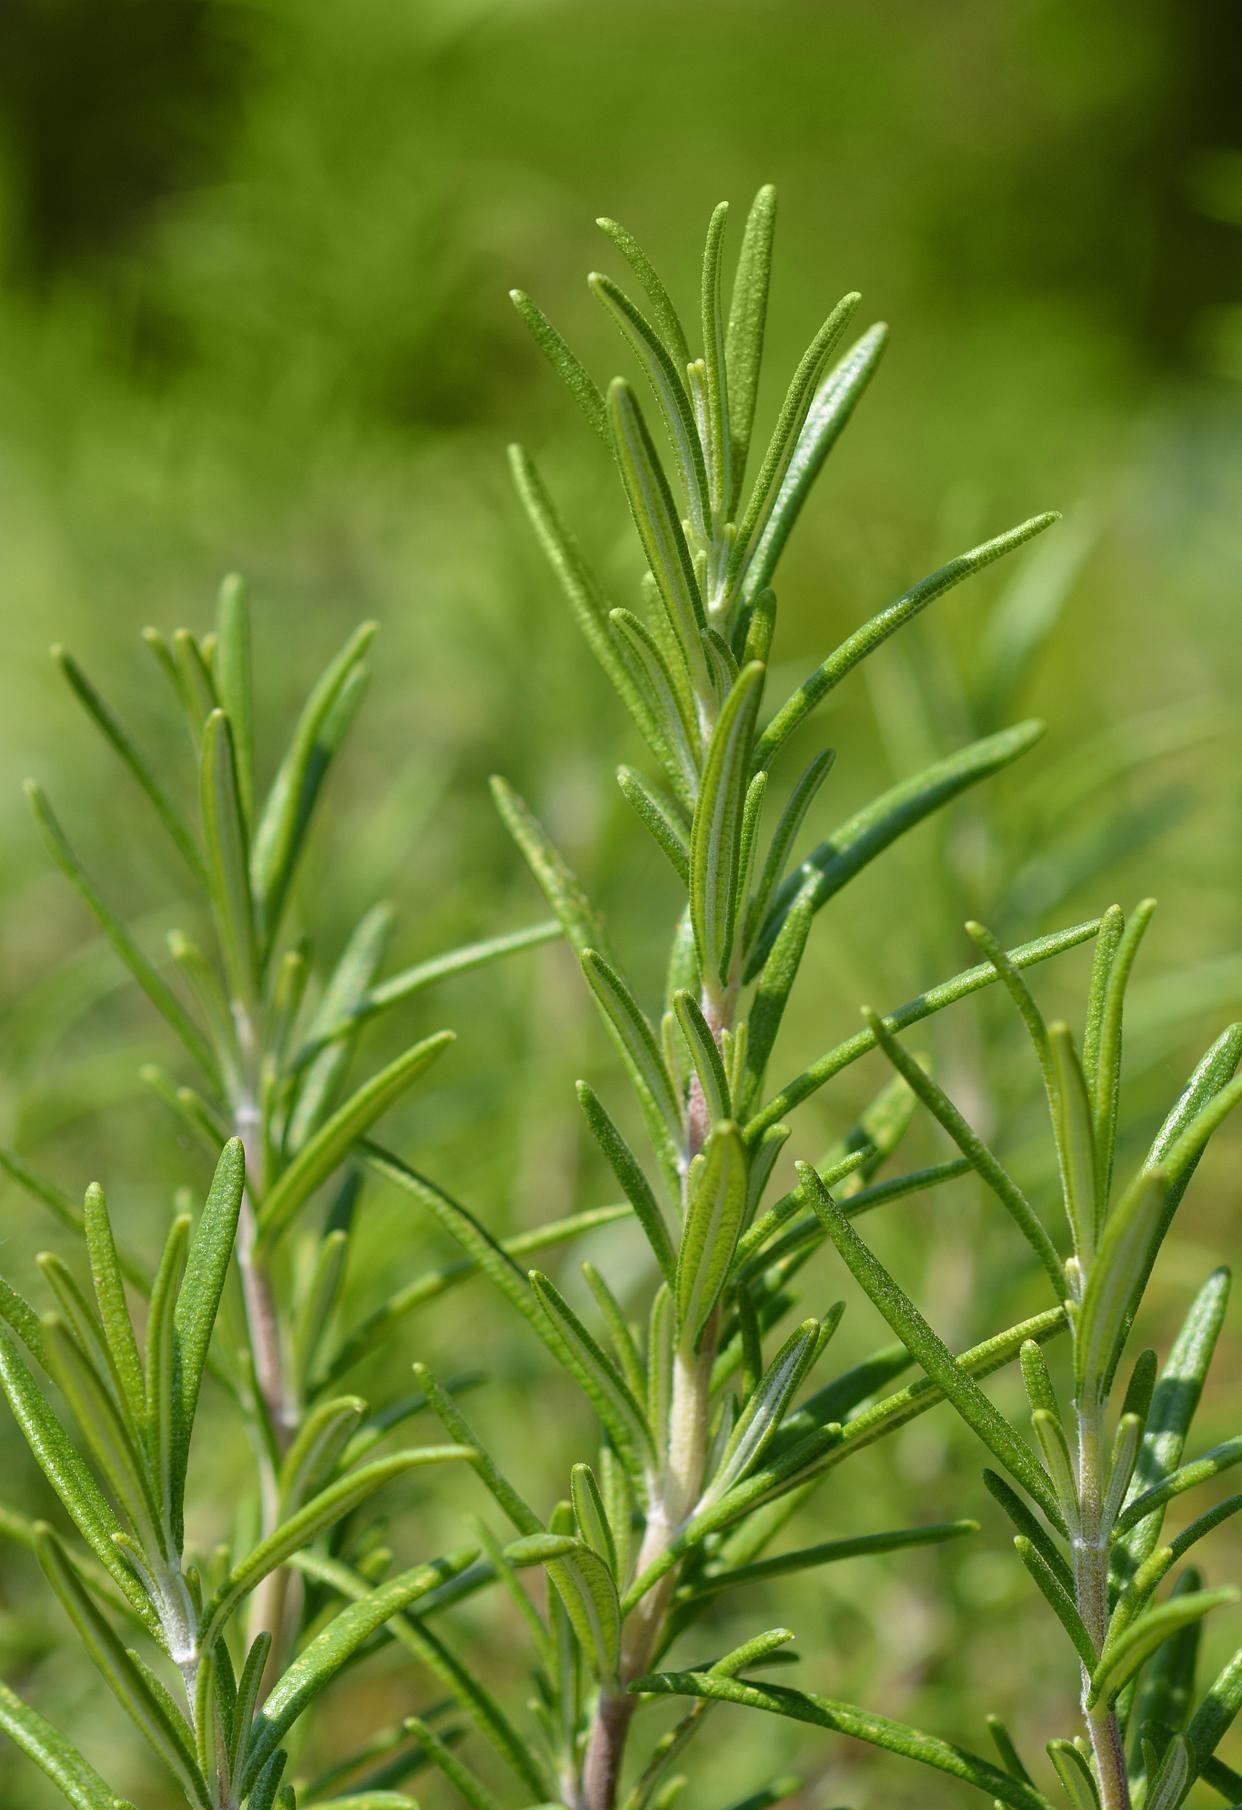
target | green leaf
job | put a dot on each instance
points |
(636, 1040)
(972, 1148)
(75, 1778)
(160, 1382)
(160, 995)
(113, 1442)
(198, 1302)
(704, 1053)
(591, 1515)
(1057, 1597)
(80, 1495)
(659, 528)
(1122, 1658)
(776, 979)
(826, 419)
(1106, 1063)
(234, 682)
(845, 1719)
(829, 1552)
(660, 816)
(935, 999)
(580, 384)
(1031, 1530)
(669, 387)
(114, 1317)
(628, 1171)
(716, 834)
(224, 827)
(323, 1152)
(715, 1207)
(585, 1586)
(114, 732)
(716, 422)
(136, 1689)
(1075, 1775)
(1220, 1458)
(598, 1376)
(784, 443)
(330, 1649)
(589, 605)
(466, 1781)
(1215, 1715)
(561, 887)
(281, 830)
(873, 633)
(670, 700)
(322, 1511)
(316, 1447)
(748, 311)
(931, 1352)
(1075, 1141)
(783, 837)
(870, 831)
(762, 1416)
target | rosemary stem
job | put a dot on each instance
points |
(1091, 1548)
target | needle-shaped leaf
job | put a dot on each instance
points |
(1220, 1458)
(74, 1777)
(586, 599)
(717, 438)
(1131, 1239)
(335, 1644)
(861, 1725)
(1106, 1086)
(113, 1441)
(114, 1317)
(567, 365)
(1057, 1597)
(826, 419)
(458, 1427)
(659, 527)
(324, 1510)
(715, 1206)
(935, 999)
(989, 1169)
(234, 681)
(136, 1689)
(748, 313)
(198, 1302)
(609, 1393)
(561, 887)
(660, 816)
(783, 837)
(704, 1054)
(285, 816)
(775, 983)
(783, 444)
(843, 659)
(322, 1153)
(224, 828)
(81, 1496)
(668, 384)
(1075, 1775)
(1031, 1530)
(870, 831)
(1172, 1409)
(1216, 1713)
(761, 1417)
(591, 1515)
(829, 1552)
(628, 1171)
(169, 814)
(1075, 1141)
(635, 1039)
(161, 996)
(931, 1352)
(664, 682)
(1122, 1658)
(666, 317)
(716, 834)
(585, 1586)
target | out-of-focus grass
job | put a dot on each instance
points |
(254, 316)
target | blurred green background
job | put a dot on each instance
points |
(255, 262)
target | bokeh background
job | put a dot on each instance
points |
(254, 263)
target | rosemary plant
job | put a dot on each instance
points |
(708, 1443)
(271, 1038)
(1089, 1507)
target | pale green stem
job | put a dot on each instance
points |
(1091, 1553)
